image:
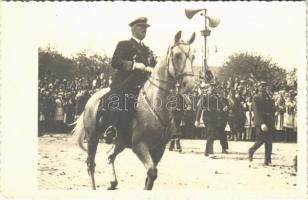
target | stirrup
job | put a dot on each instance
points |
(109, 139)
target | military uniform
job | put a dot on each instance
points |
(223, 119)
(211, 105)
(178, 116)
(264, 113)
(127, 52)
(126, 81)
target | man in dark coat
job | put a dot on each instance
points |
(264, 119)
(223, 118)
(50, 112)
(182, 104)
(81, 101)
(211, 105)
(133, 62)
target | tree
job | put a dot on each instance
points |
(245, 65)
(291, 79)
(83, 64)
(92, 64)
(52, 62)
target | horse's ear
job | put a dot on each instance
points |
(177, 37)
(192, 38)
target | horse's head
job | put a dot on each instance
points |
(180, 63)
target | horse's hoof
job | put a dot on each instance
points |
(113, 185)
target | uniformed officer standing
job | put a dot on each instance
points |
(133, 61)
(223, 118)
(182, 105)
(264, 118)
(211, 106)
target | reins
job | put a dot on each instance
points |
(175, 80)
(177, 77)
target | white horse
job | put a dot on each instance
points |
(151, 127)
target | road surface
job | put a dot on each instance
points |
(61, 165)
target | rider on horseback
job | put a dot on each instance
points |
(133, 62)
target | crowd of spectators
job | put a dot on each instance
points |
(243, 92)
(61, 101)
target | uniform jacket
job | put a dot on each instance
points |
(211, 105)
(127, 52)
(264, 110)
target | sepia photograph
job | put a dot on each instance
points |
(205, 98)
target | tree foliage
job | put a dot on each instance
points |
(92, 64)
(247, 65)
(51, 62)
(292, 78)
(83, 64)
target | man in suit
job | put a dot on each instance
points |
(133, 62)
(264, 118)
(211, 105)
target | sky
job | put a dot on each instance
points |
(272, 29)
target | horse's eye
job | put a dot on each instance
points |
(193, 57)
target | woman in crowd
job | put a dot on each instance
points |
(59, 114)
(249, 122)
(280, 110)
(289, 115)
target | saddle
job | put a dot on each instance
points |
(111, 119)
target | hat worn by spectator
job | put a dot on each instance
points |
(203, 85)
(140, 21)
(262, 83)
(213, 84)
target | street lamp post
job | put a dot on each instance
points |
(213, 22)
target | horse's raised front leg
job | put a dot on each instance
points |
(93, 140)
(143, 153)
(116, 149)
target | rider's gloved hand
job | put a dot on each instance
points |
(142, 67)
(139, 66)
(148, 70)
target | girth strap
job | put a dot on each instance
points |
(153, 111)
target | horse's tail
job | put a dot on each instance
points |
(86, 122)
(80, 131)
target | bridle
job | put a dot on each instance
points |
(176, 78)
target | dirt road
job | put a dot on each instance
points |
(62, 166)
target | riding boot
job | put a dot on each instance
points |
(111, 132)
